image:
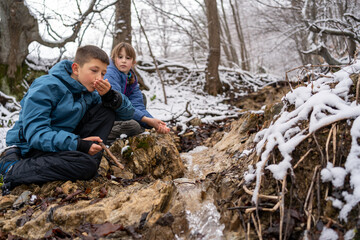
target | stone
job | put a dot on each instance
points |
(154, 154)
(195, 121)
(122, 173)
(22, 199)
(7, 201)
(104, 167)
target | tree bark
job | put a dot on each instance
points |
(213, 85)
(18, 30)
(122, 22)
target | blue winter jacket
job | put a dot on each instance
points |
(51, 110)
(118, 81)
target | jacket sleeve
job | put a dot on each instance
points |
(113, 79)
(137, 101)
(126, 109)
(36, 112)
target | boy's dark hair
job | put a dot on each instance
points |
(130, 51)
(86, 53)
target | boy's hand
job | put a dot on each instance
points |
(95, 148)
(102, 86)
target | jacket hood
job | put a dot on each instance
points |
(62, 71)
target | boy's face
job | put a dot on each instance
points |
(123, 62)
(89, 73)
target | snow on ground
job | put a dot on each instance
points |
(322, 104)
(186, 96)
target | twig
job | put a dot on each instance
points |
(256, 226)
(357, 90)
(186, 108)
(242, 221)
(311, 186)
(302, 158)
(309, 212)
(321, 153)
(252, 209)
(260, 195)
(334, 144)
(318, 194)
(259, 222)
(282, 206)
(112, 156)
(327, 143)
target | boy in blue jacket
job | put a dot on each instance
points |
(123, 79)
(61, 122)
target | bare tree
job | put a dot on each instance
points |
(151, 53)
(213, 85)
(329, 29)
(243, 50)
(234, 57)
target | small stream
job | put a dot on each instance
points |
(201, 213)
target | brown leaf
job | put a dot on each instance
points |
(107, 228)
(102, 192)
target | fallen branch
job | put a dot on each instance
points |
(256, 226)
(252, 209)
(112, 156)
(260, 195)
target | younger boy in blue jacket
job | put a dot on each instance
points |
(61, 122)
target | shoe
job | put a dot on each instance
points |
(8, 158)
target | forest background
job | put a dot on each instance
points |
(260, 36)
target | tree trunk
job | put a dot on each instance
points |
(122, 22)
(234, 57)
(18, 28)
(213, 85)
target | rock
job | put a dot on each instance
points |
(122, 173)
(154, 154)
(126, 208)
(22, 199)
(195, 121)
(7, 201)
(104, 167)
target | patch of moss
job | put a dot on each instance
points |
(15, 86)
(143, 143)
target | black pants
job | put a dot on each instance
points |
(40, 167)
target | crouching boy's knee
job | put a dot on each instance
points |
(89, 169)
